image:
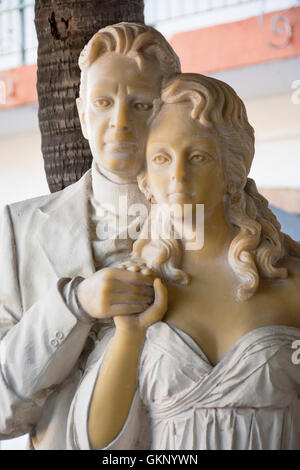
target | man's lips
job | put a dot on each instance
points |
(120, 145)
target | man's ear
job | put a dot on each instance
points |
(81, 113)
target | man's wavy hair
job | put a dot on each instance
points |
(258, 246)
(137, 41)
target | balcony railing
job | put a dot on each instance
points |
(165, 10)
(18, 42)
(157, 11)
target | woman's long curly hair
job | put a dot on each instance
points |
(258, 245)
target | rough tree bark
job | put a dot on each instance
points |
(63, 28)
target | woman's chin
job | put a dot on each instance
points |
(180, 198)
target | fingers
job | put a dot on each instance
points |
(136, 268)
(130, 277)
(155, 312)
(127, 309)
(130, 298)
(159, 307)
(119, 287)
(160, 295)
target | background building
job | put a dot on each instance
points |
(254, 45)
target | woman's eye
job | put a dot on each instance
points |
(159, 159)
(198, 158)
(103, 103)
(143, 106)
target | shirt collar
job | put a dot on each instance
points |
(108, 192)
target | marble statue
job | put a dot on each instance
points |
(115, 336)
(213, 368)
(50, 245)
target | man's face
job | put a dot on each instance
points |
(114, 114)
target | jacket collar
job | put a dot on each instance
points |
(64, 234)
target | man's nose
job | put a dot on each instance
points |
(120, 116)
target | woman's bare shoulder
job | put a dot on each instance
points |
(291, 293)
(293, 266)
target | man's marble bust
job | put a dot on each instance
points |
(50, 245)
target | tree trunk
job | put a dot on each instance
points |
(63, 28)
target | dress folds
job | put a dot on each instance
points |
(249, 400)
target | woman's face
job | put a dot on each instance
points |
(184, 160)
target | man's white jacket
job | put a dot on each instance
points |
(43, 241)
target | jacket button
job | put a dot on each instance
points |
(54, 343)
(59, 335)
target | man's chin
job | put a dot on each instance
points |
(122, 165)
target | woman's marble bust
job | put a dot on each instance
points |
(212, 368)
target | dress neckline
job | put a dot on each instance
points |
(285, 329)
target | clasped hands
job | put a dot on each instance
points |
(130, 294)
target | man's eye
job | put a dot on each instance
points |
(103, 102)
(160, 159)
(198, 158)
(143, 106)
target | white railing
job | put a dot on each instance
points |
(175, 16)
(157, 11)
(18, 42)
(165, 10)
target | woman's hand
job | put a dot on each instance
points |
(138, 323)
(117, 380)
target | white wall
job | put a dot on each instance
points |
(22, 174)
(276, 121)
(271, 102)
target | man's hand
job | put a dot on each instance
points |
(113, 291)
(140, 322)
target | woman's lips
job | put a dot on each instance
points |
(180, 196)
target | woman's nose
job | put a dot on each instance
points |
(179, 171)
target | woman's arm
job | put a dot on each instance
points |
(117, 380)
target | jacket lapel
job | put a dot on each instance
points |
(64, 232)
